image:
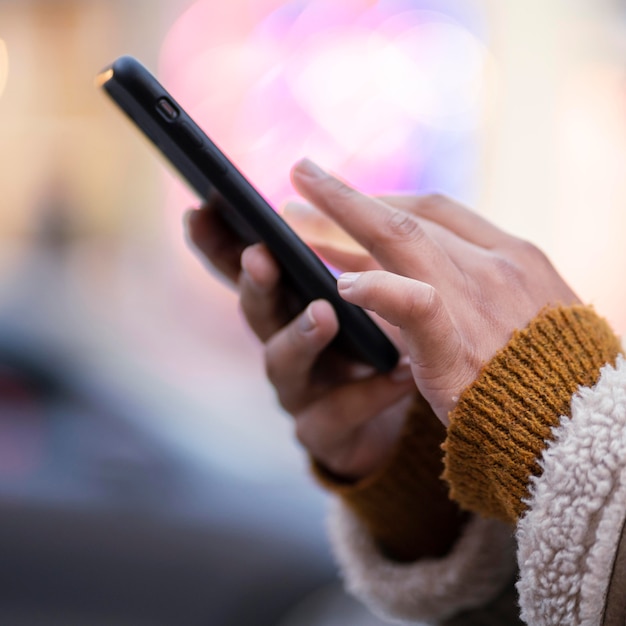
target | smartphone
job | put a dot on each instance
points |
(207, 170)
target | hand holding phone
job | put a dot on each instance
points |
(205, 168)
(348, 419)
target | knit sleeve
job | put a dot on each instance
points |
(404, 548)
(405, 506)
(504, 420)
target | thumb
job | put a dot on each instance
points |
(430, 334)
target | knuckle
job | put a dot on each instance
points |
(505, 271)
(537, 257)
(433, 308)
(526, 255)
(404, 225)
(282, 345)
(528, 250)
(433, 201)
(302, 432)
(426, 306)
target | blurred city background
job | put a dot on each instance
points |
(147, 475)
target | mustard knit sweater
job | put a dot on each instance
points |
(416, 506)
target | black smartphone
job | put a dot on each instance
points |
(205, 168)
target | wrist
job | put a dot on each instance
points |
(504, 420)
(405, 506)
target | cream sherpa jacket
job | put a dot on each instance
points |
(536, 452)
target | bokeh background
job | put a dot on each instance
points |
(147, 475)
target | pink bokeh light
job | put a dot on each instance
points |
(365, 88)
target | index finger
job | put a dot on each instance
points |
(393, 237)
(453, 216)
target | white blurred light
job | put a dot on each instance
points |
(435, 72)
(356, 82)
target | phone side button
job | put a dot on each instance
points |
(192, 135)
(216, 161)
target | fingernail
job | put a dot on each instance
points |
(307, 168)
(307, 321)
(359, 371)
(402, 373)
(347, 279)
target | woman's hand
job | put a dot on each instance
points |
(347, 416)
(455, 285)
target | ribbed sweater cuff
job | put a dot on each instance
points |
(505, 419)
(405, 506)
